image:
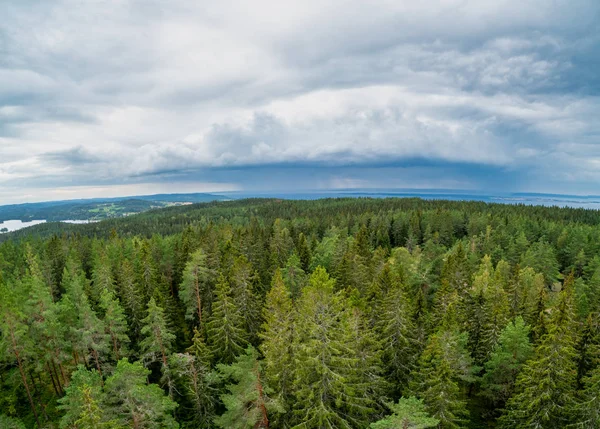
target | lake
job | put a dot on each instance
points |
(14, 225)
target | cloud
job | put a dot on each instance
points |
(475, 94)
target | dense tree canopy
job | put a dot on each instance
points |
(341, 313)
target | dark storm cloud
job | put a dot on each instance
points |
(460, 94)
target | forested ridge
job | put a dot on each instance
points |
(339, 313)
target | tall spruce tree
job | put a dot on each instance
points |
(157, 341)
(115, 324)
(398, 336)
(545, 388)
(277, 336)
(225, 331)
(506, 361)
(444, 370)
(329, 391)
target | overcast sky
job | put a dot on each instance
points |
(123, 97)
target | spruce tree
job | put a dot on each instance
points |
(444, 370)
(225, 331)
(244, 281)
(277, 336)
(398, 336)
(197, 389)
(294, 276)
(157, 340)
(505, 363)
(544, 392)
(329, 389)
(408, 413)
(586, 413)
(7, 422)
(115, 324)
(85, 387)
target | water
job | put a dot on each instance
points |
(575, 201)
(13, 225)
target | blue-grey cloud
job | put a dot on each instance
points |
(484, 94)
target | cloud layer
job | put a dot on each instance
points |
(132, 94)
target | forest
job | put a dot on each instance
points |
(336, 313)
(97, 208)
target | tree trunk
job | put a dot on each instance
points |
(23, 377)
(198, 301)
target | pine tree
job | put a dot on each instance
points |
(195, 287)
(227, 337)
(545, 388)
(247, 403)
(134, 403)
(408, 413)
(85, 387)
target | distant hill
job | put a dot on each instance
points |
(99, 208)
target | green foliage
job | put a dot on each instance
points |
(440, 380)
(277, 337)
(158, 340)
(351, 302)
(227, 337)
(196, 388)
(10, 423)
(545, 388)
(133, 402)
(194, 291)
(330, 390)
(115, 324)
(408, 413)
(84, 390)
(247, 403)
(505, 363)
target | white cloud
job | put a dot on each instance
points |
(138, 90)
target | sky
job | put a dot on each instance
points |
(124, 97)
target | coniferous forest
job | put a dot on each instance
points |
(339, 313)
